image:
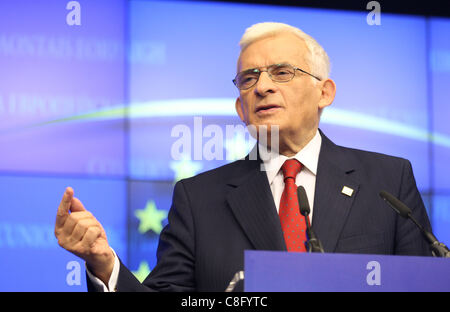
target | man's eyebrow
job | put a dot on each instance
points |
(251, 69)
(248, 70)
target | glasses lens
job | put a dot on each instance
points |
(281, 72)
(247, 79)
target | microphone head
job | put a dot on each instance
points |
(396, 204)
(303, 201)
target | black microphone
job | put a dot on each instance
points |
(438, 248)
(313, 243)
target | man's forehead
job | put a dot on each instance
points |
(277, 49)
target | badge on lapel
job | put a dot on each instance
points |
(347, 191)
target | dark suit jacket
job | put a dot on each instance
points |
(218, 214)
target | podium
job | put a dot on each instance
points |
(270, 271)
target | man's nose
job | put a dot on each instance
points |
(265, 84)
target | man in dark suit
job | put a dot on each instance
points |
(283, 83)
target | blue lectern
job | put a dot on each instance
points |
(295, 272)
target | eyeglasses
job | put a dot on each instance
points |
(277, 72)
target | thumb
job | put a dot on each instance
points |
(64, 207)
(76, 205)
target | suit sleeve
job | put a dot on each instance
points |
(409, 240)
(174, 270)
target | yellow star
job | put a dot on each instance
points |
(150, 218)
(142, 272)
(185, 168)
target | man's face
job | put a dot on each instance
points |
(293, 105)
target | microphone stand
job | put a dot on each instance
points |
(438, 249)
(313, 244)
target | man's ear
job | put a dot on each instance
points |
(239, 110)
(328, 92)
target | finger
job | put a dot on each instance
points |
(76, 205)
(90, 237)
(81, 228)
(73, 219)
(63, 208)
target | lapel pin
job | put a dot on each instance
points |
(347, 191)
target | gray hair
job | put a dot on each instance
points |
(317, 59)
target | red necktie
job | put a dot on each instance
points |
(292, 222)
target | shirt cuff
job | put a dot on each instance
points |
(112, 283)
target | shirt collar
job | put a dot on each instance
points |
(308, 156)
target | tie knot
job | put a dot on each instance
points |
(291, 168)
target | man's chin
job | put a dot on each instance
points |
(264, 132)
(266, 126)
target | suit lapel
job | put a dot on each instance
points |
(331, 206)
(252, 204)
(251, 200)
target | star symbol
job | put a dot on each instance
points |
(150, 218)
(142, 272)
(185, 168)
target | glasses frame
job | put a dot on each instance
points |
(259, 71)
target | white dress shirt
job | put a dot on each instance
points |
(112, 283)
(308, 156)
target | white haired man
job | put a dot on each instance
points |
(283, 81)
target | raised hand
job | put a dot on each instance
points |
(79, 232)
